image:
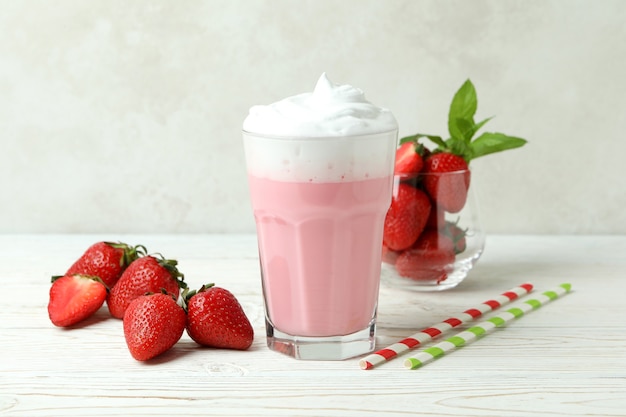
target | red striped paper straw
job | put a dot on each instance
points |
(484, 328)
(411, 342)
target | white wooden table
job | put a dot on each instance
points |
(566, 359)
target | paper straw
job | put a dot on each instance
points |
(482, 329)
(429, 333)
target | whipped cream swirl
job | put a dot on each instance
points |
(330, 110)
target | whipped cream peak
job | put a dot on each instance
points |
(330, 110)
(326, 92)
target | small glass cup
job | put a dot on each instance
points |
(451, 241)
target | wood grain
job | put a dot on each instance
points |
(568, 359)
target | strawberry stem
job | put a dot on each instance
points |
(187, 294)
(131, 253)
(171, 266)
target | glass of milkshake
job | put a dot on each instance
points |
(320, 171)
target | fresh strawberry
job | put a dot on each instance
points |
(454, 232)
(408, 158)
(215, 318)
(106, 260)
(429, 259)
(73, 298)
(153, 323)
(406, 217)
(447, 180)
(147, 274)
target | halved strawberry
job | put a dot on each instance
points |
(73, 298)
(408, 159)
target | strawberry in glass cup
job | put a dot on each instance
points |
(432, 235)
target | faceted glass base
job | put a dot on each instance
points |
(329, 348)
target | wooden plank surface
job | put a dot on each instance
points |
(566, 359)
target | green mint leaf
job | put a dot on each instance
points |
(488, 143)
(480, 124)
(467, 129)
(464, 129)
(463, 106)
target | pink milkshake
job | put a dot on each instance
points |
(320, 174)
(319, 248)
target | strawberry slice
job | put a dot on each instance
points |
(73, 298)
(408, 159)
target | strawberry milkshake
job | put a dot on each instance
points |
(320, 171)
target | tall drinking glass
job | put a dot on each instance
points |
(319, 204)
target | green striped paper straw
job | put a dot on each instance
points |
(483, 328)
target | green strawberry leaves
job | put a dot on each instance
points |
(462, 129)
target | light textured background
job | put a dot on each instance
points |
(125, 116)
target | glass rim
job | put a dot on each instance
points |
(417, 174)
